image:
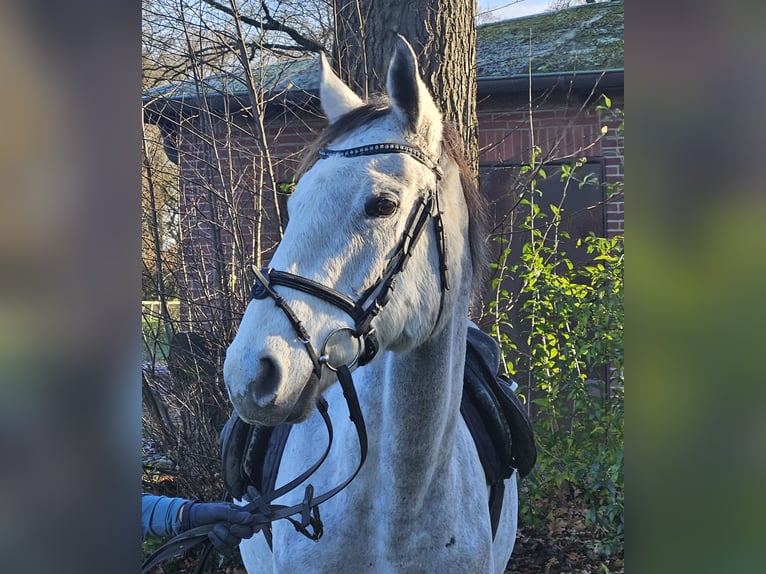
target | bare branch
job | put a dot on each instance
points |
(270, 24)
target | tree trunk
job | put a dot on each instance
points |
(443, 34)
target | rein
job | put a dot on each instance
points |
(362, 311)
(310, 523)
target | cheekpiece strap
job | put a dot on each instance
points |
(379, 148)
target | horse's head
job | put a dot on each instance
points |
(350, 216)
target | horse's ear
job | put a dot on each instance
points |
(409, 96)
(336, 97)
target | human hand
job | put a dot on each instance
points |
(230, 522)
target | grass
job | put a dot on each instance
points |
(154, 340)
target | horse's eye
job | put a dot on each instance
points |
(380, 206)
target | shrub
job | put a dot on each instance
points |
(561, 334)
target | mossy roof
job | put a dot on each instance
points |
(582, 38)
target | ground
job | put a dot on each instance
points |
(566, 546)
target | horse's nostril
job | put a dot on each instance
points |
(265, 384)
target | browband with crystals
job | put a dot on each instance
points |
(379, 148)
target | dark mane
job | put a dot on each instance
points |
(478, 212)
(452, 146)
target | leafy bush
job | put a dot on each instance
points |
(574, 361)
(561, 334)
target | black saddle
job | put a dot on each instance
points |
(495, 416)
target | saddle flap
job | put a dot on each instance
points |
(503, 413)
(524, 451)
(243, 448)
(486, 420)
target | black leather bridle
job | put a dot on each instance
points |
(367, 307)
(375, 297)
(362, 312)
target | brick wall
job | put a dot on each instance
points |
(564, 129)
(222, 216)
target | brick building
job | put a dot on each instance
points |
(553, 66)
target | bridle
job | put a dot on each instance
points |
(375, 297)
(362, 311)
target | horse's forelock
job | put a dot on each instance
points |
(347, 123)
(452, 146)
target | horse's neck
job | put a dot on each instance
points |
(420, 395)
